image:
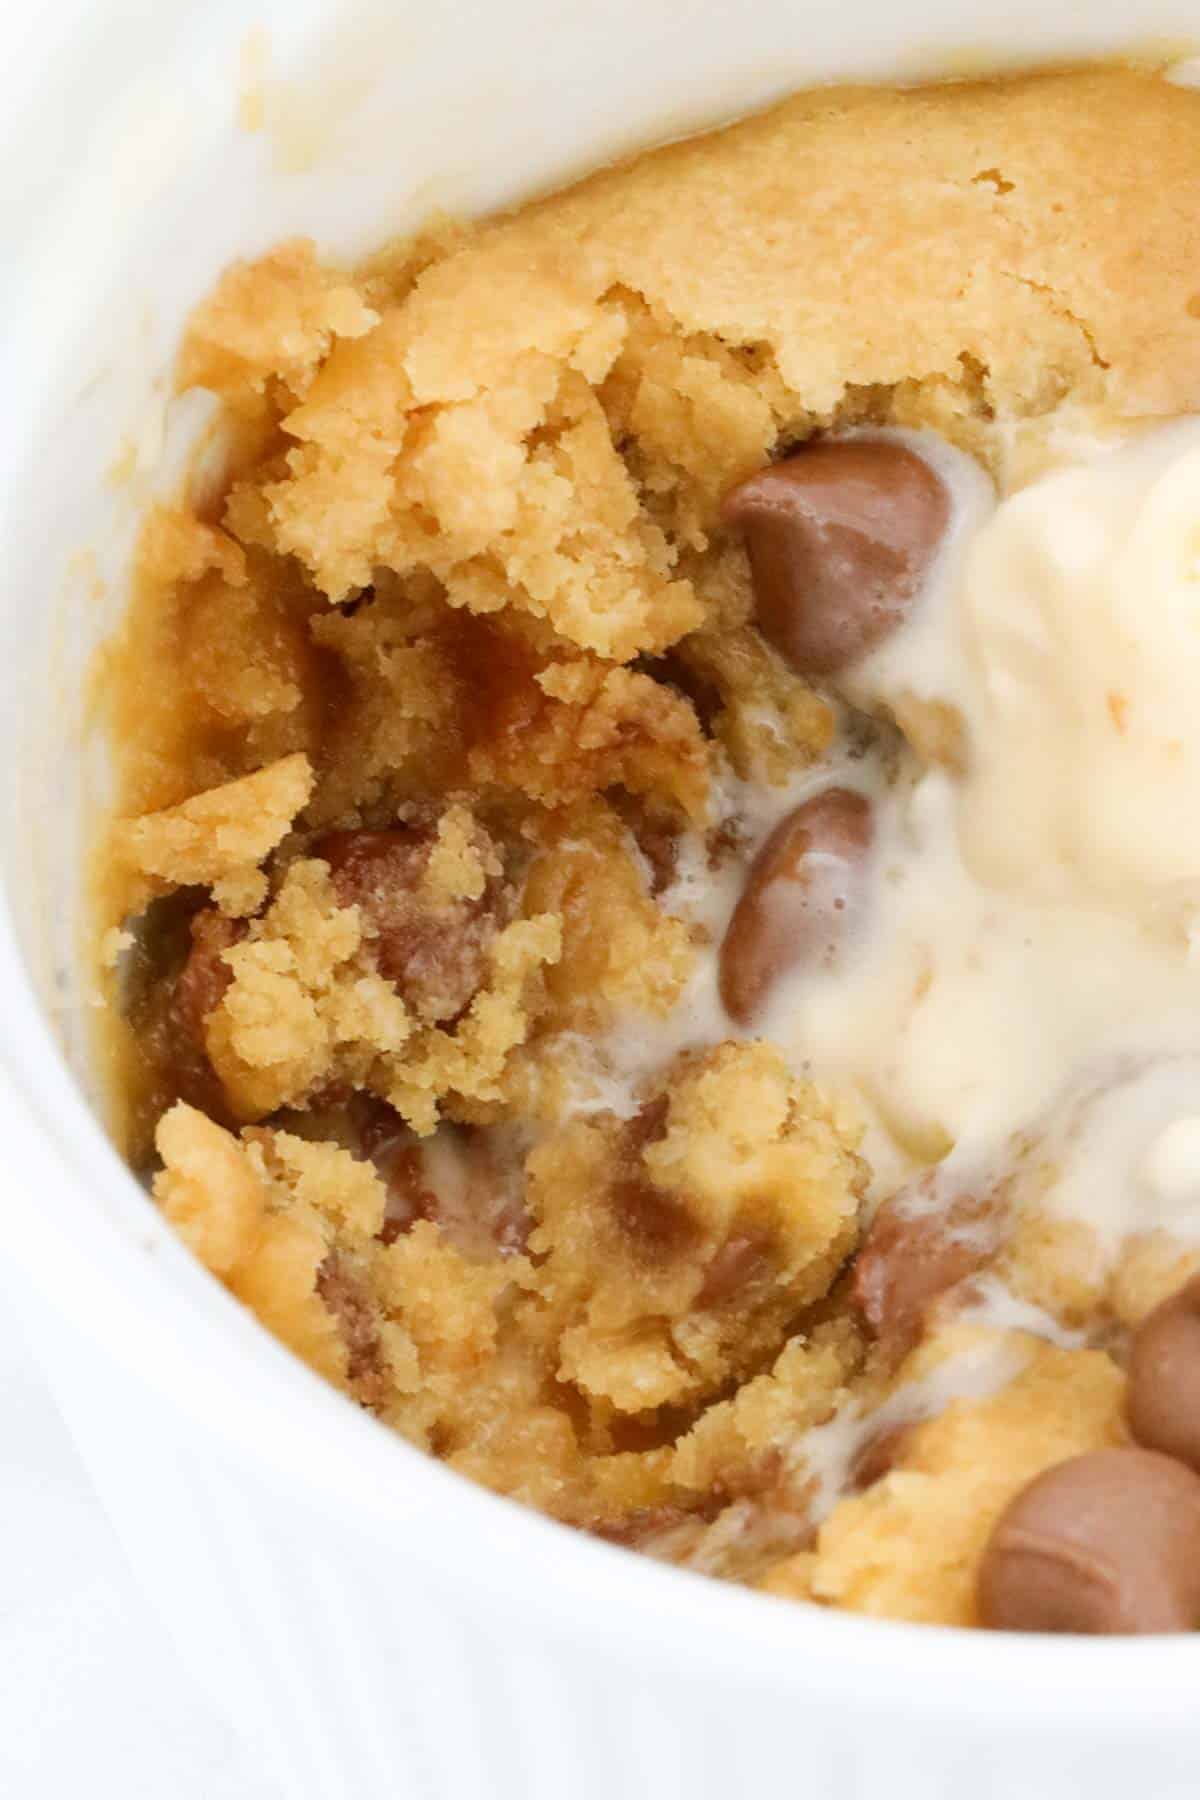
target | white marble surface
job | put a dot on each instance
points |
(93, 1702)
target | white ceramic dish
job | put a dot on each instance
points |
(380, 1626)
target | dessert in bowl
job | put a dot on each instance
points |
(650, 930)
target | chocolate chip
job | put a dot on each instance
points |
(657, 1225)
(435, 954)
(743, 1260)
(840, 538)
(638, 1529)
(172, 1018)
(878, 1456)
(1164, 1377)
(799, 897)
(468, 1182)
(919, 1245)
(346, 1297)
(206, 975)
(1104, 1544)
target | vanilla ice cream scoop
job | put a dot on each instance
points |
(1034, 913)
(1080, 616)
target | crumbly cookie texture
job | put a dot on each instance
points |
(663, 1259)
(909, 1547)
(710, 1220)
(305, 1006)
(464, 671)
(218, 838)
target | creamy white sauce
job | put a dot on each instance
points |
(974, 1372)
(996, 1307)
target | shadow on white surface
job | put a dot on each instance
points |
(92, 1696)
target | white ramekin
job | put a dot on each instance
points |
(382, 1627)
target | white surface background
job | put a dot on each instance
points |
(93, 1701)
